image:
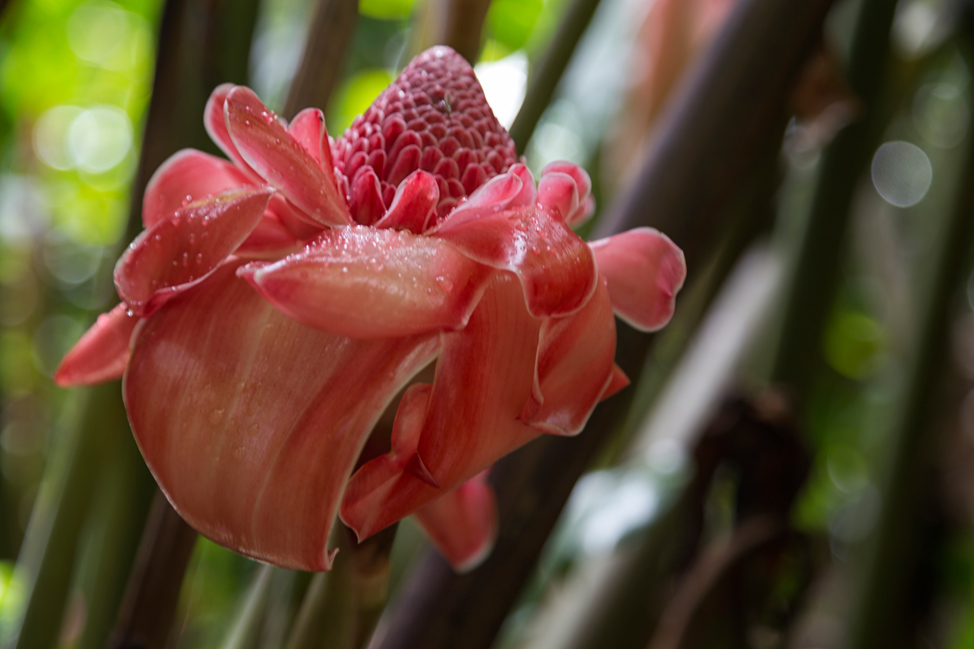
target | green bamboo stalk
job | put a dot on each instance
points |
(817, 261)
(245, 630)
(550, 70)
(890, 553)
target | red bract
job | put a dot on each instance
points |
(274, 307)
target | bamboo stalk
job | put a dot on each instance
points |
(890, 553)
(550, 70)
(330, 34)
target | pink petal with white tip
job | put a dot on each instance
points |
(584, 205)
(176, 253)
(254, 457)
(102, 353)
(187, 176)
(462, 524)
(645, 270)
(368, 283)
(281, 160)
(414, 205)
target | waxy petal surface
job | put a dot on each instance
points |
(187, 176)
(215, 123)
(281, 160)
(556, 268)
(463, 523)
(484, 376)
(645, 270)
(178, 252)
(253, 455)
(367, 283)
(414, 206)
(575, 366)
(554, 191)
(102, 353)
(308, 128)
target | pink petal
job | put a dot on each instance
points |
(484, 376)
(269, 240)
(575, 366)
(251, 422)
(414, 205)
(176, 253)
(216, 127)
(280, 159)
(365, 197)
(102, 353)
(308, 128)
(187, 176)
(463, 523)
(297, 223)
(367, 283)
(513, 190)
(555, 192)
(556, 268)
(645, 271)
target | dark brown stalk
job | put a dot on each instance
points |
(708, 141)
(547, 74)
(457, 23)
(329, 36)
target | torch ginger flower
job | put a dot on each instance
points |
(274, 306)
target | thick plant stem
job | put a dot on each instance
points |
(890, 554)
(816, 263)
(712, 136)
(330, 34)
(550, 69)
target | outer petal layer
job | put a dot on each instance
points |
(368, 283)
(463, 523)
(645, 271)
(102, 353)
(187, 176)
(501, 227)
(483, 379)
(176, 253)
(251, 422)
(267, 146)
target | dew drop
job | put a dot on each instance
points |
(130, 313)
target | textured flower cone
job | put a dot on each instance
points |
(277, 302)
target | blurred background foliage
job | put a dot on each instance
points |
(75, 82)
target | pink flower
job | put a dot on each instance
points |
(275, 306)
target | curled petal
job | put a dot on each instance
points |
(102, 353)
(484, 376)
(645, 271)
(553, 190)
(176, 253)
(513, 190)
(414, 205)
(254, 457)
(308, 128)
(462, 524)
(369, 283)
(574, 368)
(216, 127)
(281, 160)
(556, 268)
(187, 176)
